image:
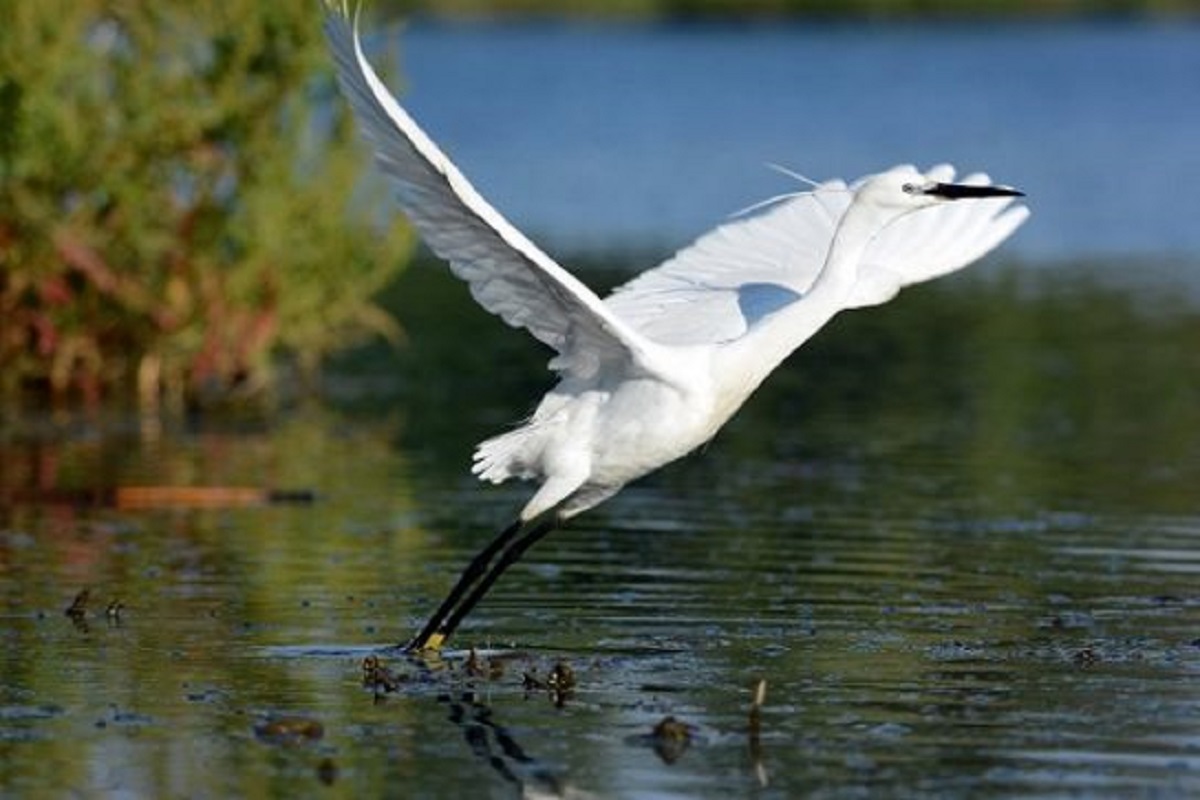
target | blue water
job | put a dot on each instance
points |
(612, 137)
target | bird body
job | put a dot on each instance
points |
(607, 425)
(653, 371)
(591, 436)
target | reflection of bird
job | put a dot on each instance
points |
(653, 371)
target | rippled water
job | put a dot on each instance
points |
(955, 536)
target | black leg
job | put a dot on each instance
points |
(507, 559)
(471, 574)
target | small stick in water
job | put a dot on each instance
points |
(755, 728)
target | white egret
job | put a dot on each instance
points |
(650, 373)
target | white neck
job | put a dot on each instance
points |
(741, 365)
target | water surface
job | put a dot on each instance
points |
(612, 137)
(955, 536)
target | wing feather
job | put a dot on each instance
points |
(694, 297)
(710, 292)
(507, 274)
(716, 289)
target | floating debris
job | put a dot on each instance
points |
(327, 771)
(77, 611)
(289, 730)
(489, 668)
(560, 683)
(671, 738)
(671, 729)
(113, 611)
(377, 677)
(530, 682)
(562, 677)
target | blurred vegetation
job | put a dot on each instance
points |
(177, 181)
(833, 9)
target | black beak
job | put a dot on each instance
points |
(961, 191)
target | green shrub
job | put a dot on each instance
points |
(178, 191)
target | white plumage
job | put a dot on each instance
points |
(654, 370)
(663, 325)
(657, 368)
(695, 297)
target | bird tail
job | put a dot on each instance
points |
(509, 455)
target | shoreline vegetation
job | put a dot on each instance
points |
(750, 10)
(181, 204)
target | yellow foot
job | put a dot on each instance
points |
(433, 644)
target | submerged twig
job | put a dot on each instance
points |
(754, 730)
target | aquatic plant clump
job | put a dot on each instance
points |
(175, 199)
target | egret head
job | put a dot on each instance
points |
(905, 189)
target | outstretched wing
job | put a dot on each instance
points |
(719, 287)
(507, 274)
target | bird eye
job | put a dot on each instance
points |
(909, 188)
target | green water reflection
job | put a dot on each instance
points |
(955, 535)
